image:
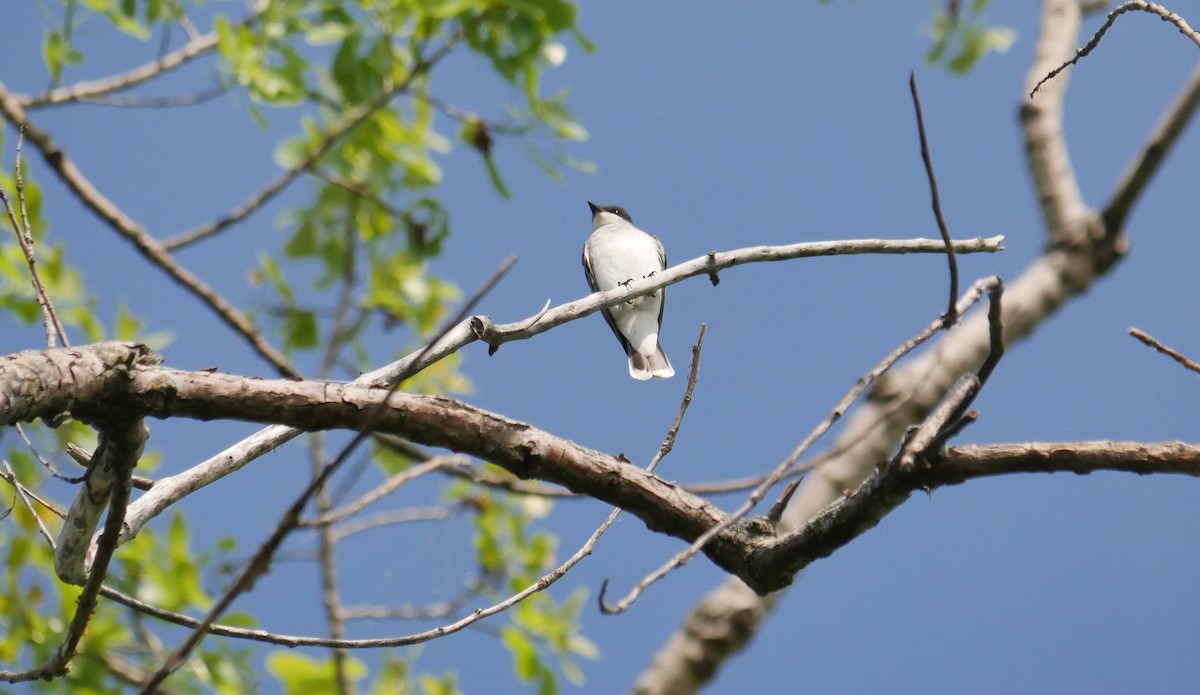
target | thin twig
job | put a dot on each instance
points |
(27, 498)
(440, 609)
(1173, 354)
(23, 230)
(193, 99)
(79, 455)
(669, 440)
(327, 561)
(81, 90)
(46, 464)
(663, 450)
(349, 123)
(1163, 13)
(960, 416)
(397, 516)
(388, 486)
(951, 317)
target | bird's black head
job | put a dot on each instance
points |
(614, 209)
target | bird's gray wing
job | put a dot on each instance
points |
(662, 294)
(591, 280)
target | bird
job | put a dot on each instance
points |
(616, 254)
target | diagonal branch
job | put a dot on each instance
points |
(1154, 152)
(79, 91)
(148, 246)
(91, 89)
(784, 468)
(1149, 340)
(348, 123)
(21, 227)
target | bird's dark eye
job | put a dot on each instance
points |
(620, 212)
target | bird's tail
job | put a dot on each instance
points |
(642, 367)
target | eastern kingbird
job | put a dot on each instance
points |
(618, 253)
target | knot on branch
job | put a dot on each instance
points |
(47, 383)
(485, 330)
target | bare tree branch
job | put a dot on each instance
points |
(1147, 161)
(1173, 354)
(385, 488)
(1163, 13)
(136, 76)
(482, 328)
(116, 455)
(165, 392)
(890, 486)
(290, 520)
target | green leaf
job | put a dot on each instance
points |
(494, 175)
(300, 329)
(271, 270)
(526, 663)
(302, 675)
(57, 54)
(432, 685)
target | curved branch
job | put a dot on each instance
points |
(1042, 121)
(1153, 8)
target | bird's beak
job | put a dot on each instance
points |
(595, 208)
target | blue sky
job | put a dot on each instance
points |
(719, 129)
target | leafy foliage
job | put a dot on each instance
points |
(362, 74)
(961, 38)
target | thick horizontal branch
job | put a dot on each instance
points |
(860, 510)
(748, 550)
(524, 450)
(47, 383)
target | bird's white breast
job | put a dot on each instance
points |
(619, 253)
